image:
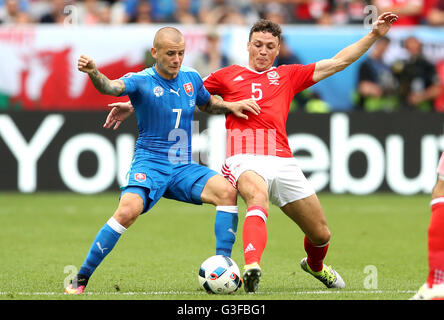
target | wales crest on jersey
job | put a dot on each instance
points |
(273, 76)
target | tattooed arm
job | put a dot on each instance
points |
(100, 81)
(218, 106)
(122, 110)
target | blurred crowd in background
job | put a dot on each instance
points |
(243, 12)
(411, 84)
(407, 84)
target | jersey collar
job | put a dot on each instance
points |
(261, 72)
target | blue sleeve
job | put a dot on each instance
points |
(130, 83)
(202, 94)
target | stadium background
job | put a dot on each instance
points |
(39, 80)
(51, 135)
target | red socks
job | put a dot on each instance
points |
(436, 243)
(255, 238)
(254, 234)
(315, 254)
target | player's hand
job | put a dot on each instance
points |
(239, 108)
(86, 64)
(119, 112)
(384, 23)
(416, 98)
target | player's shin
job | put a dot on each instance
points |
(315, 254)
(254, 234)
(225, 228)
(104, 242)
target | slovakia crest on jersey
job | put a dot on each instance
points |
(188, 89)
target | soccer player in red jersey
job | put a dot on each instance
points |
(434, 286)
(259, 161)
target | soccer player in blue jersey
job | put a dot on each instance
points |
(164, 98)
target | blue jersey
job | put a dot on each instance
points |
(164, 110)
(162, 165)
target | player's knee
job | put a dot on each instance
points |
(259, 199)
(126, 214)
(255, 197)
(227, 195)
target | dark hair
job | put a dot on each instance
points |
(266, 26)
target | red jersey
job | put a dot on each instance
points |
(273, 91)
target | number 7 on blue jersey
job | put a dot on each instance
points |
(179, 112)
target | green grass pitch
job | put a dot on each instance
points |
(378, 245)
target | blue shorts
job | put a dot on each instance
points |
(153, 178)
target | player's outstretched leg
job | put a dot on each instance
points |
(129, 209)
(313, 264)
(307, 213)
(104, 242)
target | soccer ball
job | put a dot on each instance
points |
(220, 275)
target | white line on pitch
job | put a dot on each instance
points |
(154, 293)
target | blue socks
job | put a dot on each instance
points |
(101, 246)
(225, 228)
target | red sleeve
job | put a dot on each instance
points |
(302, 76)
(213, 82)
